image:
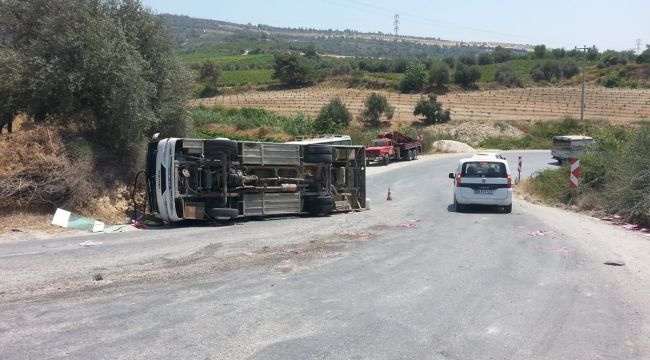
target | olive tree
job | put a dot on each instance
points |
(109, 65)
(432, 110)
(374, 106)
(333, 117)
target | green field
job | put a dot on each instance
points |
(265, 60)
(521, 67)
(244, 77)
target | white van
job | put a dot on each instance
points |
(483, 179)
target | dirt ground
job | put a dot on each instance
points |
(505, 104)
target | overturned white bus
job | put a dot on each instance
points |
(223, 179)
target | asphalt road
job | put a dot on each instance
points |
(409, 279)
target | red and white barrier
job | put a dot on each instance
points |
(575, 173)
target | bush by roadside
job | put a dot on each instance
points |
(538, 134)
(615, 178)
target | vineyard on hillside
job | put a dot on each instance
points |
(511, 104)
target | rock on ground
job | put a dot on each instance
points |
(451, 146)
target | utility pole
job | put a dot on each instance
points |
(582, 98)
(396, 25)
(638, 46)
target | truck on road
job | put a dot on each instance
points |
(220, 179)
(391, 146)
(567, 147)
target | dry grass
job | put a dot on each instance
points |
(37, 175)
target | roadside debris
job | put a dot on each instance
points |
(617, 220)
(363, 236)
(89, 243)
(98, 277)
(69, 220)
(540, 233)
(408, 225)
(615, 263)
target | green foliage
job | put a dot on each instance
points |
(540, 51)
(333, 117)
(292, 69)
(439, 75)
(501, 54)
(252, 118)
(611, 81)
(558, 53)
(485, 59)
(539, 134)
(592, 53)
(415, 77)
(432, 110)
(209, 72)
(611, 57)
(506, 76)
(644, 57)
(466, 76)
(245, 77)
(468, 60)
(374, 106)
(551, 185)
(615, 177)
(554, 70)
(105, 65)
(311, 52)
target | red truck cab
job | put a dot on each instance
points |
(391, 146)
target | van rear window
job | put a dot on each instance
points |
(484, 169)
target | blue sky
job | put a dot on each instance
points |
(567, 23)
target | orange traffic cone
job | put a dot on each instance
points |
(390, 196)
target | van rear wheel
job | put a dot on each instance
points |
(507, 209)
(459, 208)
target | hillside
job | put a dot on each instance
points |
(191, 33)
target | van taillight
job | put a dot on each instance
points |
(509, 182)
(458, 180)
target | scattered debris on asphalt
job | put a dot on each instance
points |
(414, 220)
(363, 236)
(98, 277)
(409, 225)
(70, 220)
(540, 233)
(88, 243)
(615, 263)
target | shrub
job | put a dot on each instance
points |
(375, 106)
(333, 117)
(466, 76)
(439, 75)
(506, 76)
(485, 59)
(540, 51)
(292, 69)
(501, 54)
(432, 110)
(468, 60)
(611, 81)
(414, 78)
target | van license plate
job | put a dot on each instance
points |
(483, 192)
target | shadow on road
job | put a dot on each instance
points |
(477, 209)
